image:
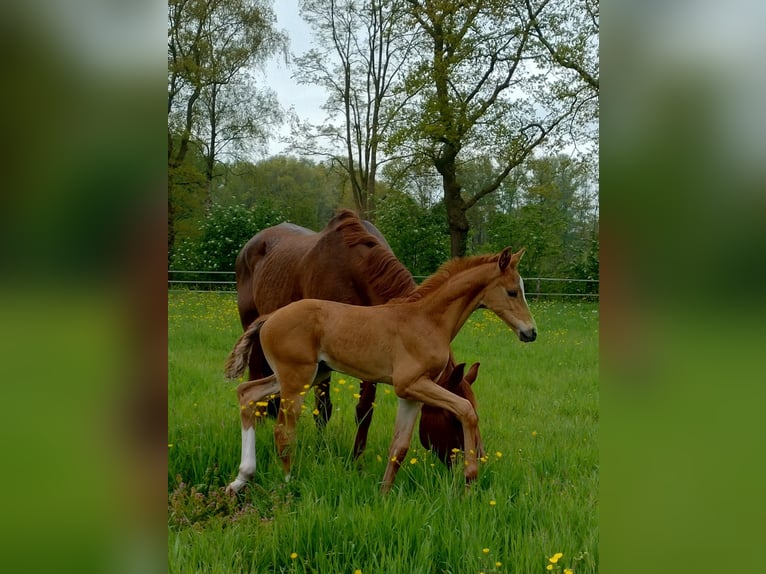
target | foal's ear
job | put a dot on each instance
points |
(516, 257)
(505, 259)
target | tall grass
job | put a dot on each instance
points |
(536, 494)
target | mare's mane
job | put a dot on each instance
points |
(384, 272)
(447, 271)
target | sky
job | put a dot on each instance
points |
(305, 101)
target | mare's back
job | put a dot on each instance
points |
(268, 269)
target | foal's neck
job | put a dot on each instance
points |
(452, 304)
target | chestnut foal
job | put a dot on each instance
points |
(404, 344)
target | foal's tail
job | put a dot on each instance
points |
(237, 360)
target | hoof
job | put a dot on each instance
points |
(234, 487)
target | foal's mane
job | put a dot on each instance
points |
(384, 272)
(447, 271)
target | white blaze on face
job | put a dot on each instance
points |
(521, 288)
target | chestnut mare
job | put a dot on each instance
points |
(348, 261)
(404, 343)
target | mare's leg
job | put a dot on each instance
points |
(250, 393)
(322, 402)
(364, 409)
(406, 415)
(430, 393)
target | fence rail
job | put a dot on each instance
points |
(180, 280)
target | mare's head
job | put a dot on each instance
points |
(440, 430)
(505, 296)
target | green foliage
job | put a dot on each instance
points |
(307, 193)
(536, 495)
(417, 235)
(545, 206)
(225, 230)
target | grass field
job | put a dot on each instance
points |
(536, 495)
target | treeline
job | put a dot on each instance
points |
(443, 117)
(549, 206)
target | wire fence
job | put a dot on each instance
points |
(536, 287)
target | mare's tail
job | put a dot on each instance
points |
(237, 360)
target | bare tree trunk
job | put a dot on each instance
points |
(454, 202)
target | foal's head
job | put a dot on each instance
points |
(505, 296)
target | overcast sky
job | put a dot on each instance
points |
(306, 101)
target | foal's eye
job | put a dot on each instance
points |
(512, 293)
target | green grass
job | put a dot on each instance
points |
(536, 494)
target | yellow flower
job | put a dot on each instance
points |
(492, 502)
(555, 558)
(549, 567)
(357, 396)
(293, 556)
(498, 564)
(357, 571)
(170, 445)
(342, 381)
(413, 461)
(534, 433)
(568, 571)
(315, 412)
(262, 404)
(393, 459)
(498, 454)
(379, 458)
(486, 550)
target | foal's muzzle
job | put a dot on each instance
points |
(528, 335)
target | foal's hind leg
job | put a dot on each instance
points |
(293, 383)
(249, 394)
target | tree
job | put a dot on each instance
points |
(552, 214)
(361, 49)
(483, 87)
(306, 192)
(416, 233)
(570, 36)
(212, 103)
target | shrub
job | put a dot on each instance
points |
(225, 230)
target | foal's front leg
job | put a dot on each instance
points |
(406, 415)
(428, 392)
